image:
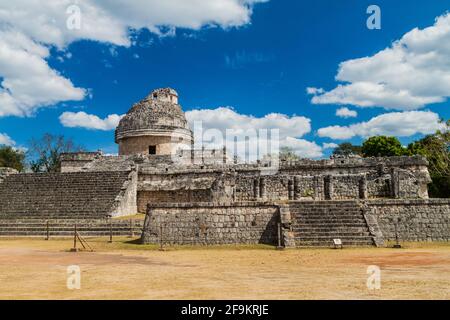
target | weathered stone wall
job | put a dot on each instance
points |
(212, 223)
(418, 220)
(346, 187)
(166, 187)
(74, 162)
(245, 187)
(202, 156)
(307, 188)
(171, 196)
(163, 179)
(126, 201)
(379, 187)
(256, 222)
(4, 172)
(165, 145)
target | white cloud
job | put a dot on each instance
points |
(6, 140)
(88, 121)
(345, 112)
(413, 72)
(29, 28)
(400, 124)
(28, 82)
(330, 145)
(290, 129)
(304, 148)
(226, 118)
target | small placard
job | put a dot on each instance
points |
(337, 242)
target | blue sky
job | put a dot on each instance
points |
(264, 64)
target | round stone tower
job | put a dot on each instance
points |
(154, 125)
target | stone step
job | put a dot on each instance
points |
(330, 237)
(327, 225)
(71, 195)
(329, 220)
(326, 228)
(328, 215)
(332, 234)
(68, 227)
(329, 244)
(326, 211)
(314, 202)
(65, 227)
(318, 223)
(319, 206)
(65, 233)
(69, 221)
(55, 217)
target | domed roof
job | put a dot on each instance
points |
(158, 111)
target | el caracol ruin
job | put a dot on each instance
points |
(195, 196)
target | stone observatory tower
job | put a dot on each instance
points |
(155, 125)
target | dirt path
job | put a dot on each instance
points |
(31, 269)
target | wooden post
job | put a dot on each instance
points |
(279, 247)
(47, 231)
(74, 249)
(160, 237)
(397, 243)
(131, 228)
(110, 230)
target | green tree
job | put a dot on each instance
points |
(45, 152)
(12, 158)
(383, 146)
(346, 148)
(436, 148)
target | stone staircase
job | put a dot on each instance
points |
(79, 195)
(65, 227)
(28, 202)
(317, 223)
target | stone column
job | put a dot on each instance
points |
(286, 223)
(381, 168)
(203, 156)
(318, 187)
(262, 187)
(395, 183)
(297, 194)
(256, 188)
(363, 194)
(224, 155)
(328, 186)
(290, 189)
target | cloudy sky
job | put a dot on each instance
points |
(310, 68)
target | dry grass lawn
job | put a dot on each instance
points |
(36, 269)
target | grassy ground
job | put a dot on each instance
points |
(37, 269)
(137, 216)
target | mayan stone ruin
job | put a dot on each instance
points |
(202, 196)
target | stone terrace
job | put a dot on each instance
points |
(60, 195)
